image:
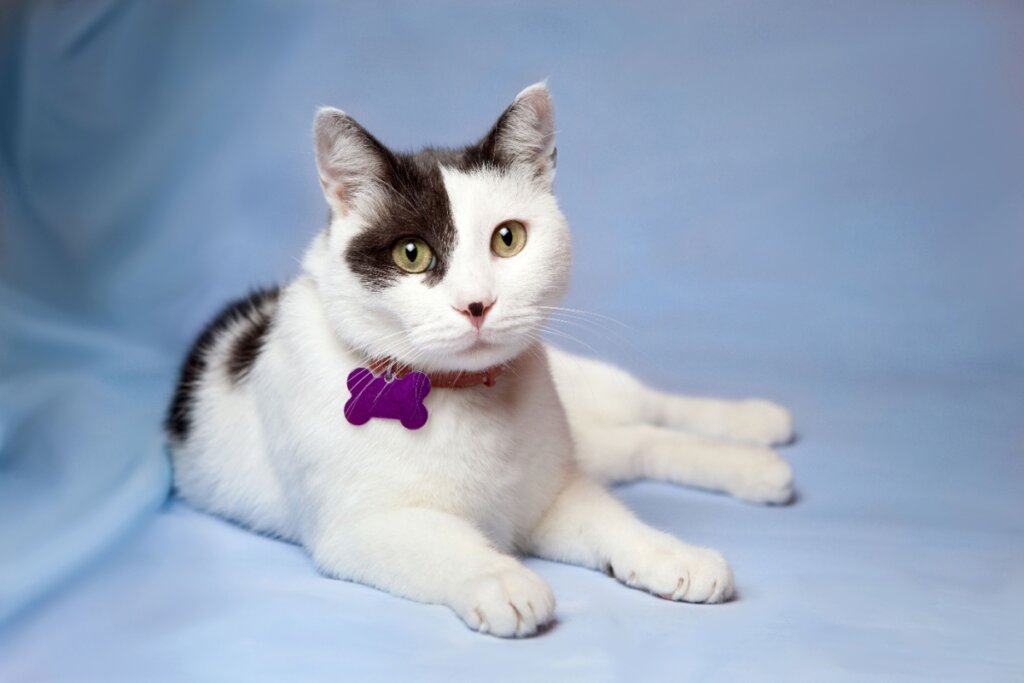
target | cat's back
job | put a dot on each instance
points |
(224, 352)
(214, 435)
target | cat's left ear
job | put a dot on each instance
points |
(352, 163)
(525, 133)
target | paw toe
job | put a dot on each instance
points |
(508, 603)
(711, 580)
(680, 573)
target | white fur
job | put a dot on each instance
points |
(438, 514)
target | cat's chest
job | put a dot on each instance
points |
(488, 455)
(470, 432)
(494, 455)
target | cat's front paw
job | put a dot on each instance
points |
(760, 422)
(676, 571)
(512, 603)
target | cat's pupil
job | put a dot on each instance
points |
(411, 252)
(506, 236)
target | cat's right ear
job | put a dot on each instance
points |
(350, 161)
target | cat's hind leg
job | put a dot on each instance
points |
(590, 388)
(621, 453)
(625, 430)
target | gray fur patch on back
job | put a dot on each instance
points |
(255, 312)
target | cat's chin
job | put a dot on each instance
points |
(480, 355)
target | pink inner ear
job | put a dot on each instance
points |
(343, 198)
(340, 193)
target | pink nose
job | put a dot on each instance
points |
(476, 312)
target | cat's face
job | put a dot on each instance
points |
(445, 259)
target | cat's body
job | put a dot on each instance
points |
(258, 432)
(470, 459)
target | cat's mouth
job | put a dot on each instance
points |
(476, 345)
(482, 353)
(474, 351)
(453, 344)
(479, 344)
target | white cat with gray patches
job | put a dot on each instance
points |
(448, 263)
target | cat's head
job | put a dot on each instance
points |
(446, 259)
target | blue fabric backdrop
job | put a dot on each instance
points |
(822, 204)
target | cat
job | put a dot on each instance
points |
(443, 265)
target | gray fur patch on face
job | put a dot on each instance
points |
(414, 203)
(413, 200)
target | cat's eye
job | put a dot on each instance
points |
(508, 239)
(413, 255)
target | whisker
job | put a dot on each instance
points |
(581, 312)
(589, 326)
(565, 335)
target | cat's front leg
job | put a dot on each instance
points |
(435, 557)
(587, 526)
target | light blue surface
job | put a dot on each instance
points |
(817, 204)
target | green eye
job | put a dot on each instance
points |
(412, 255)
(508, 239)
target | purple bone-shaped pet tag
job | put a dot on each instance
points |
(398, 398)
